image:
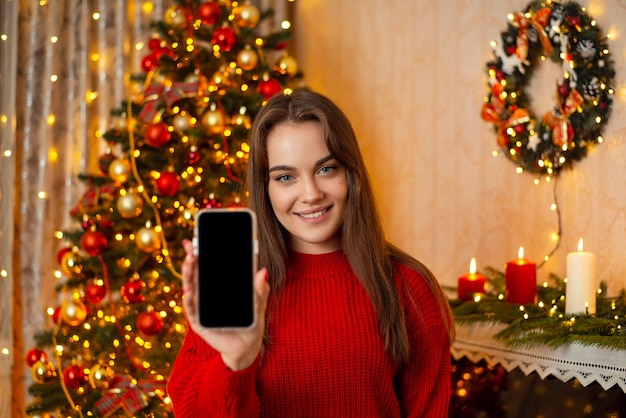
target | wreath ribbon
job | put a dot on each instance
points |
(524, 23)
(494, 110)
(559, 123)
(156, 94)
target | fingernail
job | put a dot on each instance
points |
(267, 276)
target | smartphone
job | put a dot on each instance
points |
(227, 249)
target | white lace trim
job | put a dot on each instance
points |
(573, 361)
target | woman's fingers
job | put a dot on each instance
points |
(189, 267)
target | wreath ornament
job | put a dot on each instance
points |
(564, 34)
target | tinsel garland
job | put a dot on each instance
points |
(545, 323)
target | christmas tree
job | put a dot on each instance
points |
(178, 143)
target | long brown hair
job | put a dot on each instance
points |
(372, 258)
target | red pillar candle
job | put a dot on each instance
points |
(471, 283)
(520, 280)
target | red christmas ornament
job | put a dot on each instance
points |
(61, 253)
(157, 134)
(209, 12)
(95, 293)
(56, 315)
(75, 377)
(154, 43)
(35, 355)
(159, 52)
(563, 89)
(148, 63)
(93, 242)
(149, 323)
(269, 88)
(224, 38)
(131, 291)
(167, 184)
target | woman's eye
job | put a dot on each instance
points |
(283, 178)
(328, 169)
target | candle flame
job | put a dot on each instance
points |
(520, 253)
(580, 244)
(472, 266)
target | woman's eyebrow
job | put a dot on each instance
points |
(282, 168)
(291, 168)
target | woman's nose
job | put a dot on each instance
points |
(310, 191)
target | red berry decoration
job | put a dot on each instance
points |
(224, 38)
(35, 355)
(167, 184)
(149, 323)
(75, 377)
(93, 242)
(213, 203)
(95, 293)
(157, 134)
(193, 157)
(131, 291)
(209, 12)
(269, 88)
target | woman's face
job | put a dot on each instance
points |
(308, 189)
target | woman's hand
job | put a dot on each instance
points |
(239, 348)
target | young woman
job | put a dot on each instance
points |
(354, 327)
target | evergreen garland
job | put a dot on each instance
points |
(545, 323)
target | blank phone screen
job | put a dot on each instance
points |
(226, 268)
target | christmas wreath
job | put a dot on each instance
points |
(565, 34)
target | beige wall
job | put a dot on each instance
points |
(410, 75)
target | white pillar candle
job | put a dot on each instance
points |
(581, 288)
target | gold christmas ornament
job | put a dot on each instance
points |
(213, 120)
(147, 240)
(119, 170)
(247, 58)
(71, 263)
(42, 371)
(247, 15)
(287, 65)
(73, 312)
(130, 205)
(182, 122)
(175, 16)
(100, 377)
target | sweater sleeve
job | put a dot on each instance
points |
(201, 385)
(424, 386)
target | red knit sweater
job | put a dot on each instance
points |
(325, 358)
